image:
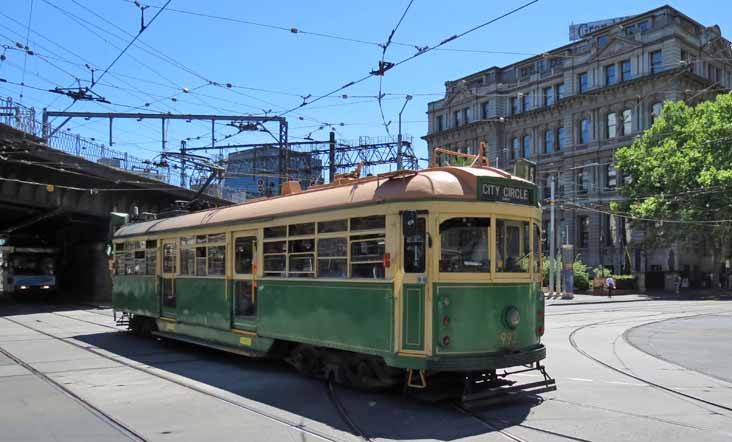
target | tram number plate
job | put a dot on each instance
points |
(508, 338)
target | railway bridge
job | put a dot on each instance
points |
(56, 199)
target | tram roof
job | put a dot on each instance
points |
(444, 183)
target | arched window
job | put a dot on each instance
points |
(585, 133)
(612, 125)
(549, 141)
(656, 109)
(527, 146)
(627, 122)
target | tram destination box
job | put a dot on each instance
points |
(503, 192)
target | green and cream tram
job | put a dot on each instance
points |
(374, 281)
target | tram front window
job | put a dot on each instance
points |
(464, 245)
(512, 246)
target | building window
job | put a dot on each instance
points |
(610, 75)
(549, 141)
(515, 148)
(458, 118)
(656, 109)
(583, 225)
(656, 61)
(644, 25)
(527, 146)
(611, 177)
(583, 82)
(467, 115)
(607, 232)
(612, 125)
(585, 131)
(627, 122)
(581, 178)
(602, 41)
(560, 91)
(514, 105)
(548, 96)
(484, 108)
(625, 74)
(526, 102)
(440, 123)
(561, 143)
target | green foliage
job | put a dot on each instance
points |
(601, 271)
(581, 277)
(681, 170)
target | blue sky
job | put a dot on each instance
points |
(65, 35)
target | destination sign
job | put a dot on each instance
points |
(505, 193)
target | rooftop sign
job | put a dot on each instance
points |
(505, 191)
(580, 30)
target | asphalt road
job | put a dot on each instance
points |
(626, 371)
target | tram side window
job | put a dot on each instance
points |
(464, 245)
(151, 257)
(187, 255)
(333, 257)
(169, 252)
(140, 263)
(301, 258)
(119, 258)
(201, 269)
(275, 254)
(414, 249)
(374, 222)
(130, 257)
(339, 225)
(512, 246)
(244, 254)
(367, 256)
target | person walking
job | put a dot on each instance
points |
(610, 283)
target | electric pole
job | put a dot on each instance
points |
(552, 247)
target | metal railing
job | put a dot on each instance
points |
(25, 119)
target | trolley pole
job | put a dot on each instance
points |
(553, 235)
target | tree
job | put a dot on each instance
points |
(680, 175)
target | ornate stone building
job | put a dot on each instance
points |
(570, 108)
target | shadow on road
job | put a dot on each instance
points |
(273, 383)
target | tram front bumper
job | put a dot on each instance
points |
(479, 361)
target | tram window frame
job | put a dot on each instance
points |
(483, 224)
(536, 248)
(362, 266)
(203, 255)
(151, 256)
(170, 258)
(334, 259)
(503, 242)
(242, 245)
(415, 248)
(119, 258)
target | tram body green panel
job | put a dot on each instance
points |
(203, 301)
(476, 317)
(136, 294)
(345, 315)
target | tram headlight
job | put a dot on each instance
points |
(512, 317)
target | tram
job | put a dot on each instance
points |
(27, 271)
(403, 278)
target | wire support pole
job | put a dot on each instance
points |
(552, 233)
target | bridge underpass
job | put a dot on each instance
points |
(55, 199)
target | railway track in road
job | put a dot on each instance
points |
(113, 422)
(573, 343)
(149, 371)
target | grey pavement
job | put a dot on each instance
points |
(164, 390)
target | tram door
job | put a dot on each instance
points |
(415, 287)
(167, 279)
(244, 282)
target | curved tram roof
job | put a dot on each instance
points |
(458, 183)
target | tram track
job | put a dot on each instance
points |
(343, 413)
(109, 419)
(575, 345)
(269, 416)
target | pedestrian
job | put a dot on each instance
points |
(610, 283)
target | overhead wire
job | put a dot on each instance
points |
(27, 35)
